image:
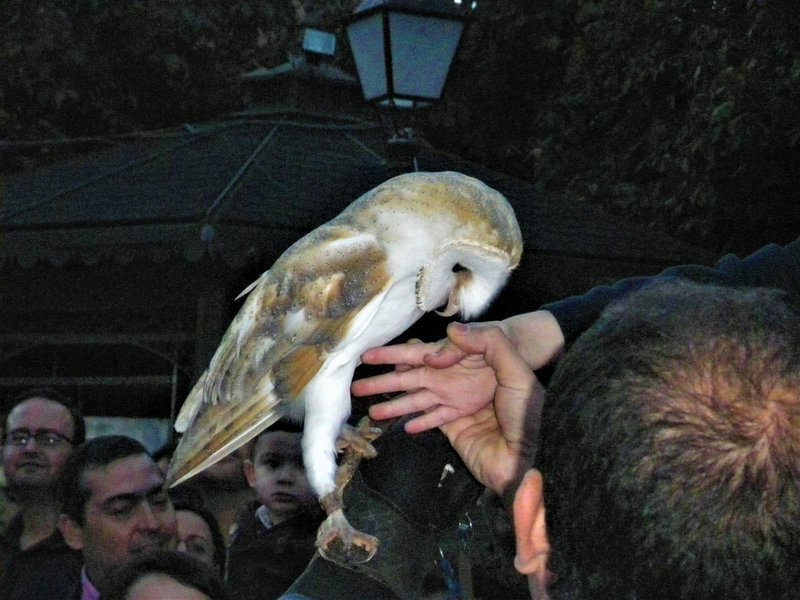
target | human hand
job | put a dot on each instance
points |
(442, 380)
(498, 441)
(476, 387)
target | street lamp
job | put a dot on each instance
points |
(403, 49)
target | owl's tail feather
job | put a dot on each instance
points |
(218, 431)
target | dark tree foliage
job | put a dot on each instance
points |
(681, 114)
(82, 68)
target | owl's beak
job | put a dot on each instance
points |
(451, 308)
(454, 299)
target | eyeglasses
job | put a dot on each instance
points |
(44, 438)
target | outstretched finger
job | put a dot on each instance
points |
(418, 401)
(387, 383)
(439, 416)
(411, 354)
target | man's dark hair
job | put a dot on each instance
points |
(671, 448)
(183, 568)
(95, 453)
(54, 395)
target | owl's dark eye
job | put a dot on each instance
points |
(459, 268)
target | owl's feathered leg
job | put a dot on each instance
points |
(337, 540)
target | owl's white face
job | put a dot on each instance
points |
(475, 290)
(463, 278)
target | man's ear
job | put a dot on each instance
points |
(530, 527)
(71, 532)
(249, 472)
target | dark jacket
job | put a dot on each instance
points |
(772, 266)
(263, 563)
(45, 571)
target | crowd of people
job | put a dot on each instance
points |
(661, 460)
(94, 519)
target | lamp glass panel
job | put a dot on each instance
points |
(422, 50)
(366, 43)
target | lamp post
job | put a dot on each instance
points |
(403, 49)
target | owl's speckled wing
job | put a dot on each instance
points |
(320, 293)
(415, 243)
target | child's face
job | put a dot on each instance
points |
(276, 473)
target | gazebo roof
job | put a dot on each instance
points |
(136, 247)
(247, 188)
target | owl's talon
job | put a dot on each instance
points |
(355, 442)
(359, 438)
(339, 542)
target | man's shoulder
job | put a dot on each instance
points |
(50, 555)
(13, 531)
(53, 544)
(45, 570)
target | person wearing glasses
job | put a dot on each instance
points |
(41, 430)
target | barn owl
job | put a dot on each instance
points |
(415, 243)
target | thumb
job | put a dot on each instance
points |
(454, 347)
(466, 336)
(476, 338)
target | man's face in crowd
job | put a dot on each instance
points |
(127, 514)
(36, 463)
